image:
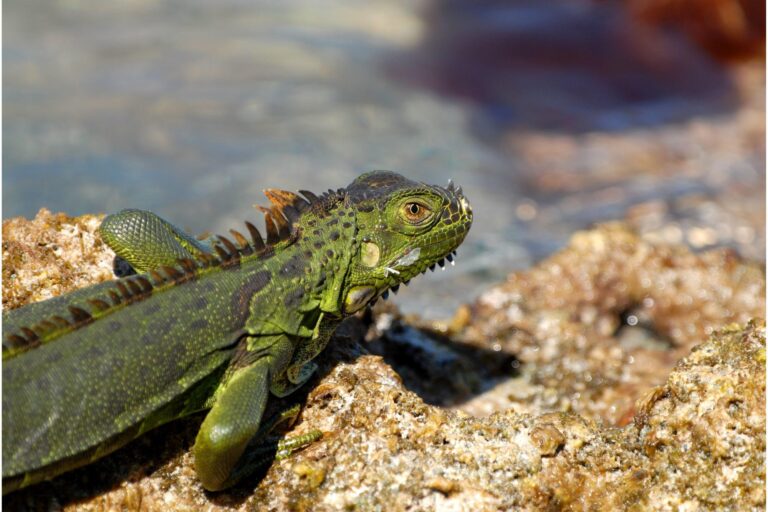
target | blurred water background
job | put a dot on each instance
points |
(552, 115)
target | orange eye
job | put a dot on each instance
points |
(415, 212)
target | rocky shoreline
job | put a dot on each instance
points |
(618, 374)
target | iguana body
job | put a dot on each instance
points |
(218, 325)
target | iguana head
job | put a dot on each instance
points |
(403, 228)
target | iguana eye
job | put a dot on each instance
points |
(415, 212)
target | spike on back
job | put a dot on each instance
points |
(281, 223)
(272, 233)
(229, 254)
(256, 239)
(310, 197)
(282, 215)
(282, 199)
(243, 246)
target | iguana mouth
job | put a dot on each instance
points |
(450, 258)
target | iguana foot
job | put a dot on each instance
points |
(263, 450)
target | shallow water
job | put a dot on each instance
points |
(190, 109)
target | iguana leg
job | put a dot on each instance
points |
(265, 452)
(234, 421)
(145, 241)
(286, 415)
(231, 424)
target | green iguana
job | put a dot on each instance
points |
(210, 325)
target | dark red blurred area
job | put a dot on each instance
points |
(566, 65)
(726, 29)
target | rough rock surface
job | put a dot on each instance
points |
(50, 255)
(547, 355)
(599, 322)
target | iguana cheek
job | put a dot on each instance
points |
(358, 297)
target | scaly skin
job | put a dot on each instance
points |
(210, 325)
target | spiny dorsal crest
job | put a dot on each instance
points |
(127, 290)
(286, 209)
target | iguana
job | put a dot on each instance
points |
(213, 325)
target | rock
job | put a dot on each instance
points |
(695, 439)
(704, 430)
(50, 255)
(600, 322)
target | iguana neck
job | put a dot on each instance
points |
(318, 257)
